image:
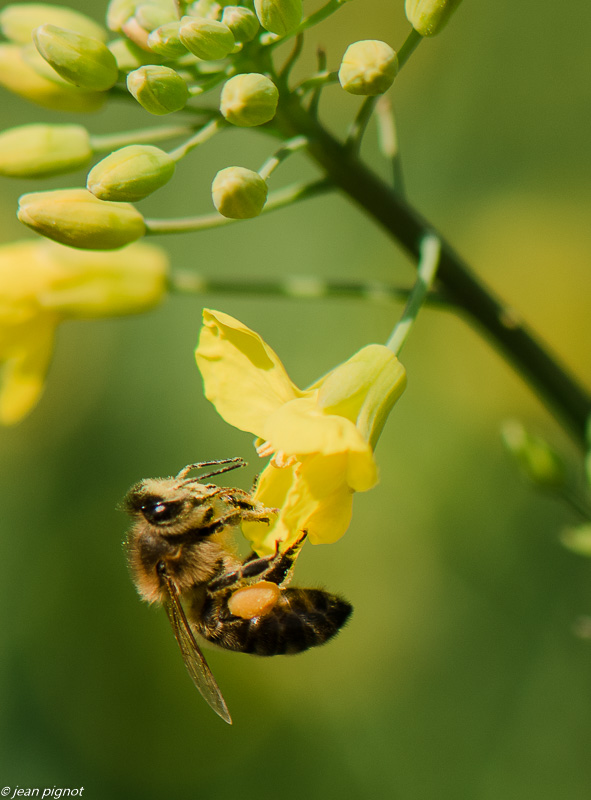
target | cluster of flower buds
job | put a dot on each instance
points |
(164, 53)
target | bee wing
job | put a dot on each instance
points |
(192, 656)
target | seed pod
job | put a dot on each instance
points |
(279, 16)
(160, 90)
(239, 193)
(368, 67)
(130, 173)
(36, 151)
(206, 38)
(429, 16)
(81, 60)
(75, 217)
(249, 99)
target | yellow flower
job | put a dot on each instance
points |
(43, 283)
(321, 438)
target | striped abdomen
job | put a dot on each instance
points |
(301, 618)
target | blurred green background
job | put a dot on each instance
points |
(460, 674)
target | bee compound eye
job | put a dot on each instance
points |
(159, 512)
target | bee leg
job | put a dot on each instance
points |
(251, 510)
(275, 569)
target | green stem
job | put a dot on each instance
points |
(359, 124)
(388, 140)
(290, 147)
(293, 287)
(101, 144)
(411, 43)
(426, 271)
(555, 385)
(279, 199)
(200, 137)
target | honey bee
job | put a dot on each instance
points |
(178, 555)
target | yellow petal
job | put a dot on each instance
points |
(299, 428)
(243, 377)
(22, 376)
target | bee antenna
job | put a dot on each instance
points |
(230, 464)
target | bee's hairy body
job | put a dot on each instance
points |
(177, 550)
(299, 620)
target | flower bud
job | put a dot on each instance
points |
(368, 67)
(537, 460)
(242, 22)
(118, 12)
(97, 284)
(249, 99)
(429, 16)
(130, 173)
(77, 218)
(160, 90)
(208, 9)
(36, 151)
(151, 15)
(279, 16)
(84, 61)
(239, 193)
(364, 389)
(19, 20)
(129, 55)
(166, 41)
(578, 539)
(20, 77)
(206, 38)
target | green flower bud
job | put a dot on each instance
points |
(242, 22)
(20, 77)
(249, 99)
(75, 217)
(36, 151)
(578, 539)
(364, 389)
(130, 173)
(166, 41)
(82, 60)
(91, 283)
(205, 8)
(239, 193)
(128, 55)
(160, 90)
(368, 67)
(19, 20)
(537, 460)
(151, 16)
(279, 16)
(429, 16)
(118, 12)
(206, 38)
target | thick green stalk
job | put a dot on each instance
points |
(555, 385)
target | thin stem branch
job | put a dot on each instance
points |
(359, 124)
(278, 199)
(294, 287)
(411, 43)
(103, 143)
(286, 150)
(426, 271)
(388, 140)
(199, 138)
(550, 379)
